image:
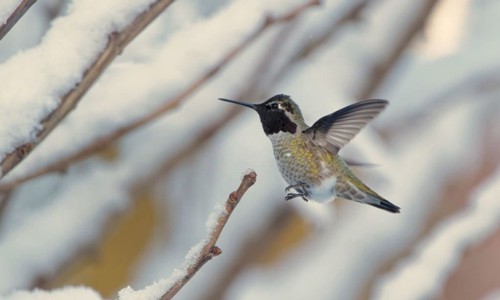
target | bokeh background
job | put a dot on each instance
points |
(128, 214)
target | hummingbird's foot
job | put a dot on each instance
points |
(300, 188)
(291, 196)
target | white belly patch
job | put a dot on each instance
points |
(325, 192)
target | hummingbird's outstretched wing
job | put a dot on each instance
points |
(337, 129)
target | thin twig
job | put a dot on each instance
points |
(169, 104)
(16, 15)
(117, 41)
(209, 249)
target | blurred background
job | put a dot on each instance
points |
(128, 213)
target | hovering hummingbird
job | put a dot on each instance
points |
(308, 157)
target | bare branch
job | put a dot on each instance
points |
(209, 249)
(312, 44)
(117, 42)
(377, 74)
(168, 105)
(16, 15)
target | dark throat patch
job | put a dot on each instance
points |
(276, 121)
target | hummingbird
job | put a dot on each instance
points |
(307, 156)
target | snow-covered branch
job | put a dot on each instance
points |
(199, 254)
(169, 104)
(117, 40)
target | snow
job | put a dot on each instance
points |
(424, 273)
(103, 117)
(446, 27)
(158, 288)
(55, 66)
(70, 212)
(213, 218)
(95, 117)
(54, 223)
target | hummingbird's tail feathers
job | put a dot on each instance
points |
(384, 204)
(355, 190)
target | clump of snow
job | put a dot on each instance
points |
(151, 292)
(213, 218)
(155, 290)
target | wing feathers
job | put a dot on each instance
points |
(337, 129)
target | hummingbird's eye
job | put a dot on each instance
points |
(274, 106)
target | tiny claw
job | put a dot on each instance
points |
(291, 196)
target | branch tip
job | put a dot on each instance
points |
(252, 177)
(209, 249)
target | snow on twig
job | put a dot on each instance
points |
(198, 255)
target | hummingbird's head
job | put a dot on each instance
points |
(277, 114)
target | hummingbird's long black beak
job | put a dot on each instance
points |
(252, 106)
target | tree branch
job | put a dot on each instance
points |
(382, 68)
(16, 15)
(117, 42)
(209, 249)
(168, 105)
(314, 42)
